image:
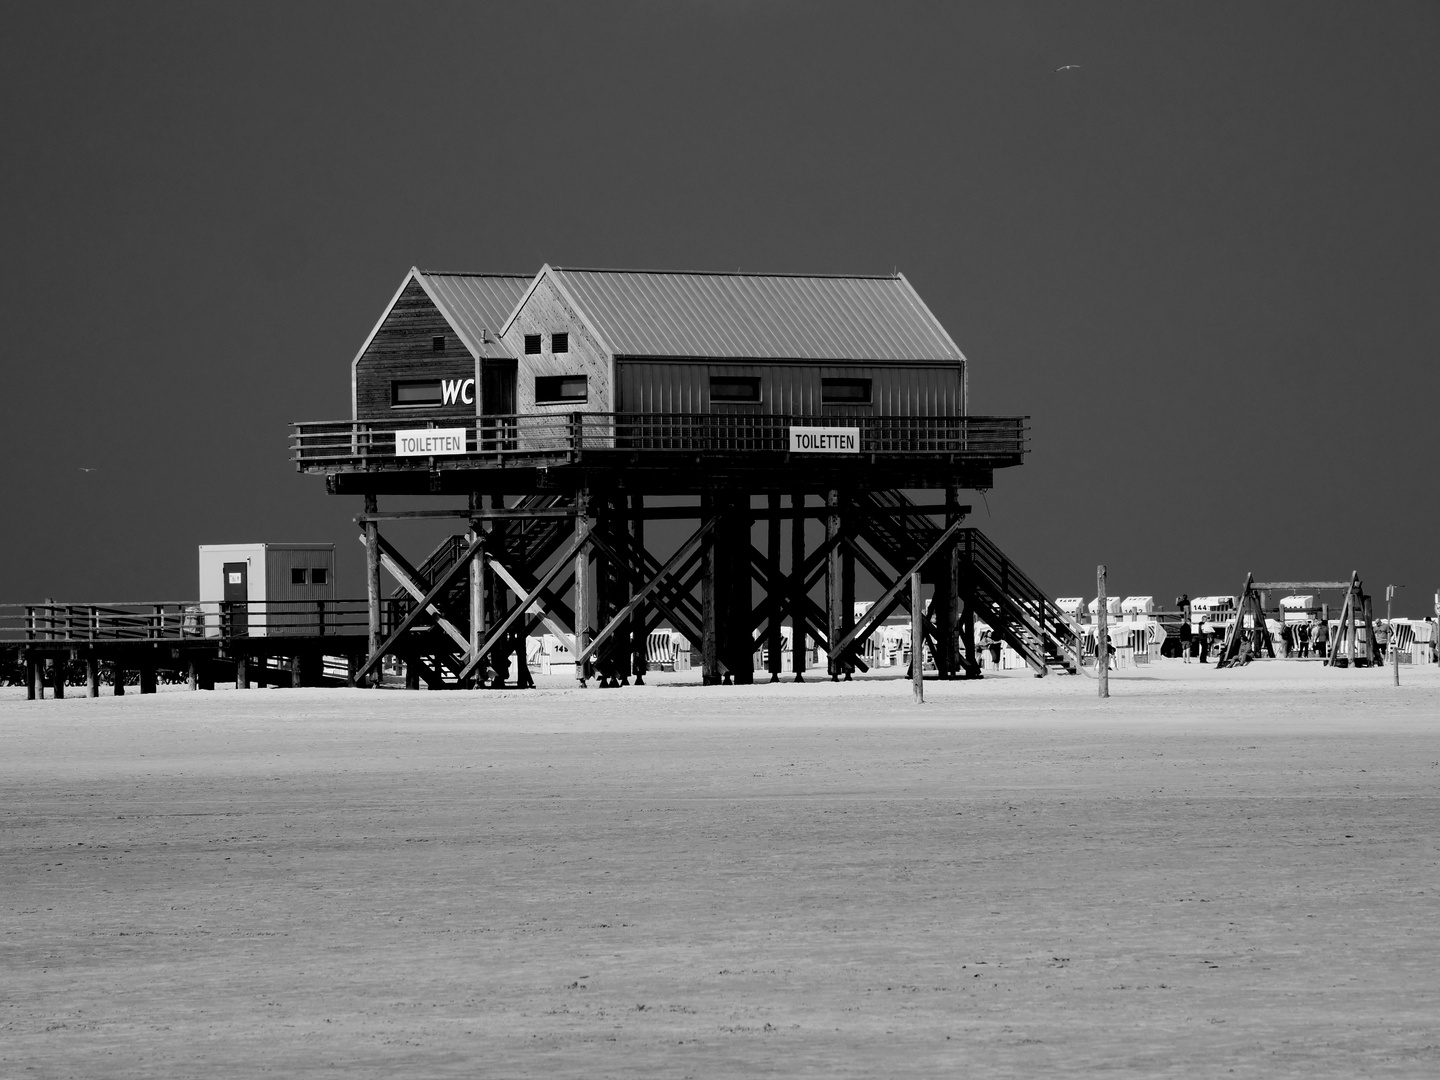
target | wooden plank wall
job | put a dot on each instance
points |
(683, 386)
(403, 349)
(545, 312)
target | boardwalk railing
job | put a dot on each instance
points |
(76, 624)
(370, 444)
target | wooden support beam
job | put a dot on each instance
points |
(797, 588)
(372, 582)
(774, 640)
(639, 654)
(917, 638)
(57, 675)
(575, 550)
(682, 553)
(834, 629)
(462, 563)
(709, 642)
(582, 578)
(520, 592)
(92, 675)
(407, 576)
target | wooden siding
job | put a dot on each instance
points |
(545, 312)
(402, 349)
(683, 386)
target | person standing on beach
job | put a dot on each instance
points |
(1320, 635)
(1202, 639)
(1187, 637)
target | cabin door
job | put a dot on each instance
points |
(236, 619)
(497, 400)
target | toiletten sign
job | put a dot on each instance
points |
(430, 442)
(824, 440)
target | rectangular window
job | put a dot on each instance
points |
(845, 391)
(319, 575)
(733, 388)
(550, 389)
(414, 392)
(437, 344)
(532, 344)
(559, 343)
(297, 575)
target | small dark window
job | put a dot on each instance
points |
(845, 391)
(297, 575)
(415, 392)
(437, 344)
(319, 575)
(559, 343)
(532, 344)
(553, 388)
(732, 388)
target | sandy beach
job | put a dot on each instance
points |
(1214, 873)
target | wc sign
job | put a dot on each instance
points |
(430, 442)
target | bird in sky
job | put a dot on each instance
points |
(84, 469)
(1067, 67)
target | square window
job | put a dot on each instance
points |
(532, 344)
(845, 391)
(560, 342)
(319, 575)
(297, 575)
(734, 388)
(437, 343)
(552, 389)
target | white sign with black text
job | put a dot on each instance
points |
(430, 442)
(824, 440)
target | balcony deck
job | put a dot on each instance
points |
(659, 452)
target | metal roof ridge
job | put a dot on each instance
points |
(727, 273)
(472, 273)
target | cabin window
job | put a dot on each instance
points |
(297, 575)
(532, 344)
(319, 575)
(560, 342)
(552, 389)
(437, 343)
(845, 391)
(732, 388)
(413, 392)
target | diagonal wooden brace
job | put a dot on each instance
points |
(535, 609)
(462, 563)
(405, 574)
(635, 601)
(867, 622)
(680, 624)
(498, 633)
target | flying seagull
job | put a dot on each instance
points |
(83, 469)
(1067, 67)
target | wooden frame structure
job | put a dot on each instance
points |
(1347, 647)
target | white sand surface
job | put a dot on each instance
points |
(1214, 873)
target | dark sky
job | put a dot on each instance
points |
(1204, 262)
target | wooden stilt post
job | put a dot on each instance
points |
(773, 639)
(847, 600)
(951, 582)
(259, 677)
(833, 597)
(477, 590)
(917, 640)
(710, 642)
(192, 675)
(118, 673)
(582, 581)
(372, 581)
(34, 684)
(352, 665)
(297, 672)
(92, 675)
(57, 675)
(412, 675)
(1102, 651)
(147, 674)
(242, 672)
(797, 586)
(640, 660)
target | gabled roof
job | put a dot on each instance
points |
(476, 305)
(803, 317)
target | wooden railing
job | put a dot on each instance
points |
(76, 624)
(370, 444)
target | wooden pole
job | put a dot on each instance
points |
(582, 581)
(917, 640)
(833, 587)
(1102, 650)
(57, 675)
(1390, 634)
(772, 558)
(797, 586)
(710, 642)
(372, 580)
(34, 685)
(242, 672)
(640, 660)
(952, 580)
(92, 675)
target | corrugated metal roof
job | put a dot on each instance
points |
(650, 313)
(476, 302)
